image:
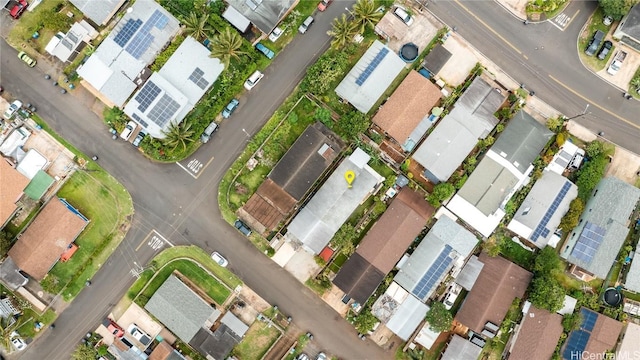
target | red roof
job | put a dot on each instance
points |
(326, 253)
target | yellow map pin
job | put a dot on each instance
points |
(349, 176)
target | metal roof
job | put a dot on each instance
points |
(235, 324)
(460, 348)
(236, 19)
(265, 15)
(100, 12)
(407, 317)
(470, 273)
(632, 281)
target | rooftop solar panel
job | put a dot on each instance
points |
(139, 44)
(196, 78)
(372, 66)
(431, 276)
(590, 239)
(588, 319)
(127, 31)
(147, 95)
(576, 344)
(163, 110)
(541, 229)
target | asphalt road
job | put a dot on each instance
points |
(546, 60)
(180, 207)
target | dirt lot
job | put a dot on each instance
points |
(625, 166)
(423, 29)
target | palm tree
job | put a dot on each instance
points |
(227, 45)
(196, 26)
(342, 31)
(7, 326)
(635, 82)
(178, 134)
(365, 13)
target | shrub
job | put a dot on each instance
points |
(441, 192)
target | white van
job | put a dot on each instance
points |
(128, 130)
(252, 81)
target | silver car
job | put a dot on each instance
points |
(305, 25)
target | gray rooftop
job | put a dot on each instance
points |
(216, 345)
(10, 274)
(457, 133)
(370, 77)
(265, 15)
(632, 281)
(609, 208)
(131, 46)
(421, 263)
(470, 273)
(460, 348)
(631, 25)
(331, 206)
(235, 324)
(179, 308)
(99, 11)
(543, 208)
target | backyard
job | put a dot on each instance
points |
(257, 341)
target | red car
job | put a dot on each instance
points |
(324, 4)
(19, 6)
(113, 328)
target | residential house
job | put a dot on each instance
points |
(370, 77)
(115, 69)
(486, 305)
(32, 163)
(384, 245)
(292, 177)
(180, 309)
(594, 243)
(399, 311)
(100, 12)
(406, 116)
(460, 348)
(436, 59)
(13, 184)
(537, 335)
(426, 337)
(629, 345)
(597, 334)
(164, 351)
(170, 94)
(65, 46)
(219, 343)
(504, 169)
(39, 247)
(469, 273)
(541, 211)
(632, 281)
(317, 222)
(265, 15)
(446, 245)
(458, 132)
(628, 30)
(568, 157)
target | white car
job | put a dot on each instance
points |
(139, 335)
(305, 25)
(12, 109)
(403, 15)
(17, 341)
(253, 80)
(128, 130)
(275, 34)
(451, 297)
(219, 259)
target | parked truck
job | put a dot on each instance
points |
(616, 64)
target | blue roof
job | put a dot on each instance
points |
(542, 229)
(435, 272)
(588, 319)
(589, 242)
(576, 344)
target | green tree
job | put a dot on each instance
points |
(555, 124)
(178, 134)
(441, 192)
(344, 238)
(365, 13)
(635, 83)
(115, 117)
(616, 8)
(438, 317)
(365, 322)
(352, 124)
(571, 218)
(342, 31)
(323, 73)
(324, 116)
(589, 176)
(594, 148)
(546, 293)
(226, 45)
(547, 262)
(196, 25)
(6, 328)
(571, 321)
(84, 352)
(5, 243)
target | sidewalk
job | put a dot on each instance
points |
(517, 8)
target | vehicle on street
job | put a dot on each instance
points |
(12, 109)
(128, 130)
(275, 34)
(606, 47)
(17, 8)
(607, 20)
(208, 132)
(616, 64)
(136, 142)
(265, 51)
(17, 341)
(403, 15)
(324, 4)
(242, 227)
(139, 335)
(27, 59)
(113, 328)
(594, 44)
(230, 108)
(219, 259)
(305, 25)
(253, 80)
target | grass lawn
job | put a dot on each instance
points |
(27, 329)
(516, 253)
(337, 262)
(585, 38)
(433, 354)
(256, 342)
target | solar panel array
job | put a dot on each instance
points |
(127, 31)
(147, 95)
(196, 78)
(163, 111)
(139, 120)
(431, 276)
(143, 38)
(541, 229)
(372, 66)
(589, 242)
(576, 344)
(588, 319)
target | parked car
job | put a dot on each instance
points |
(617, 62)
(17, 341)
(265, 50)
(19, 6)
(113, 328)
(253, 80)
(305, 25)
(12, 109)
(324, 4)
(403, 15)
(208, 132)
(128, 130)
(139, 335)
(275, 34)
(230, 108)
(242, 227)
(31, 62)
(321, 356)
(136, 142)
(594, 44)
(606, 47)
(451, 297)
(607, 20)
(219, 259)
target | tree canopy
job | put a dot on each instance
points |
(547, 262)
(352, 124)
(438, 317)
(616, 8)
(546, 293)
(441, 192)
(571, 218)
